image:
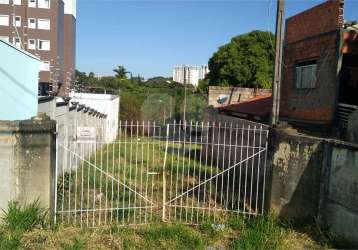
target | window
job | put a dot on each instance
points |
(44, 66)
(17, 2)
(4, 1)
(17, 21)
(17, 42)
(44, 4)
(31, 44)
(4, 20)
(4, 38)
(32, 23)
(306, 74)
(32, 3)
(43, 24)
(44, 45)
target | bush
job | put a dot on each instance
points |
(22, 218)
(17, 220)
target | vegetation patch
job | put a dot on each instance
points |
(27, 227)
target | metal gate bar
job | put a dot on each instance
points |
(187, 172)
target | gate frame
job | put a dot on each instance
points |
(165, 202)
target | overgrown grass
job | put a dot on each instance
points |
(26, 227)
(261, 233)
(91, 186)
(17, 220)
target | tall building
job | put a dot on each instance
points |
(189, 74)
(46, 29)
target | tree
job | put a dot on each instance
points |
(91, 79)
(121, 72)
(203, 86)
(247, 61)
(81, 80)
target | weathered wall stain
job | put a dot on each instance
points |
(301, 188)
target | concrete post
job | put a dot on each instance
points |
(27, 161)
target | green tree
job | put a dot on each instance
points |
(91, 79)
(81, 77)
(203, 86)
(81, 80)
(246, 61)
(121, 72)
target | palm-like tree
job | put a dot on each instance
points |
(121, 72)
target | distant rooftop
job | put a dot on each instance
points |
(259, 107)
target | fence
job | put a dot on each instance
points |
(177, 172)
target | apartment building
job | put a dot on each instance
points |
(190, 74)
(46, 29)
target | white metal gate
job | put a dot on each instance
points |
(178, 172)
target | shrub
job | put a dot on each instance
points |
(22, 218)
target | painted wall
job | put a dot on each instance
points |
(104, 103)
(19, 72)
(68, 118)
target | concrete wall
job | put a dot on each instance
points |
(106, 104)
(341, 203)
(27, 165)
(295, 161)
(320, 42)
(69, 117)
(314, 177)
(233, 94)
(19, 72)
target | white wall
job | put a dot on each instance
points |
(70, 7)
(68, 119)
(104, 103)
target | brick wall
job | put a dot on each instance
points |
(350, 42)
(320, 19)
(312, 34)
(237, 94)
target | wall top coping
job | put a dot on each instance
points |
(38, 124)
(333, 142)
(238, 88)
(92, 96)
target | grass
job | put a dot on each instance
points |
(27, 227)
(19, 219)
(91, 186)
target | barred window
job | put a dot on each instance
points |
(306, 75)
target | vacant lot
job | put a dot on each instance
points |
(120, 184)
(144, 176)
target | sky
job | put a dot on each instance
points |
(149, 37)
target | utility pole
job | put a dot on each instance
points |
(184, 116)
(275, 115)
